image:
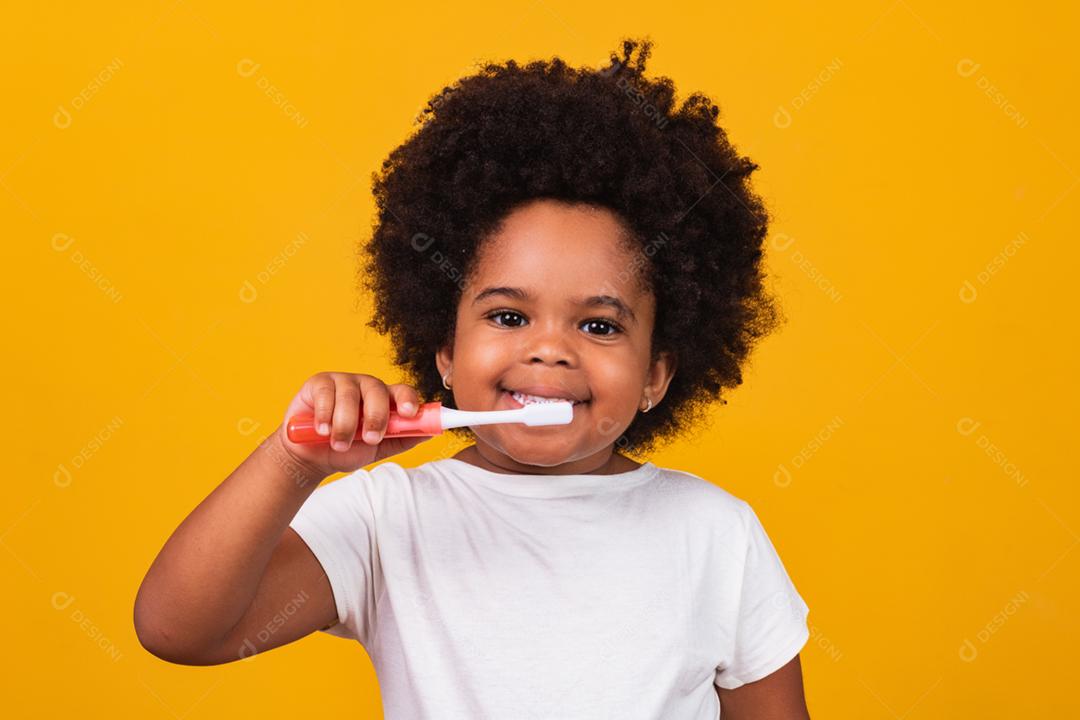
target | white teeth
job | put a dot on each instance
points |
(529, 399)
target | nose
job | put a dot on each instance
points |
(549, 345)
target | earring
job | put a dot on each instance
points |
(649, 407)
(444, 381)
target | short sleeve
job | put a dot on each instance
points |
(771, 621)
(337, 523)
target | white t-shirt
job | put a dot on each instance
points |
(483, 595)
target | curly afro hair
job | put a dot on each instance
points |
(609, 137)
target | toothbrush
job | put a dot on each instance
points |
(432, 418)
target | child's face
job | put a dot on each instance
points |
(558, 255)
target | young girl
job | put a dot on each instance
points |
(548, 232)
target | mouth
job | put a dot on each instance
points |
(520, 399)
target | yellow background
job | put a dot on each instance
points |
(906, 438)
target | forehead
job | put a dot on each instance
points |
(557, 249)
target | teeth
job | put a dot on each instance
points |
(530, 399)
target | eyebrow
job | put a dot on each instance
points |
(621, 308)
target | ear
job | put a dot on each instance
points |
(444, 359)
(659, 377)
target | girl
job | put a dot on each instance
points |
(548, 232)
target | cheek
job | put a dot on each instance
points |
(616, 380)
(478, 370)
(487, 357)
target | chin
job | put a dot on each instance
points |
(537, 452)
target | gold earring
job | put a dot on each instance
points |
(444, 381)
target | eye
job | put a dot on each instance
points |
(615, 327)
(500, 313)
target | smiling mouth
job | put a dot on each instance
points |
(524, 399)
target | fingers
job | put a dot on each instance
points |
(322, 400)
(377, 401)
(406, 399)
(376, 410)
(347, 402)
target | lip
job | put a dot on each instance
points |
(507, 402)
(545, 391)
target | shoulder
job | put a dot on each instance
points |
(363, 485)
(703, 501)
(698, 488)
(370, 477)
(389, 484)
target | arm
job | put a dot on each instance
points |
(234, 579)
(777, 696)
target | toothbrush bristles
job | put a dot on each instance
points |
(548, 413)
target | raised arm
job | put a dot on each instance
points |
(234, 579)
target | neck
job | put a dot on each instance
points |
(605, 463)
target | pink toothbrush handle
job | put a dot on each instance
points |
(426, 422)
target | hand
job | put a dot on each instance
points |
(341, 403)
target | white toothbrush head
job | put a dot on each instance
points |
(547, 413)
(559, 412)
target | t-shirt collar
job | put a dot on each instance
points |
(547, 486)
